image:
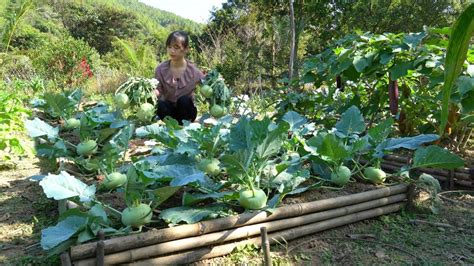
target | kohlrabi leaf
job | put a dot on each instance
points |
(241, 135)
(64, 186)
(121, 139)
(179, 174)
(47, 150)
(333, 149)
(189, 214)
(163, 193)
(436, 157)
(98, 211)
(294, 119)
(39, 128)
(360, 144)
(158, 132)
(61, 104)
(352, 122)
(272, 142)
(410, 143)
(171, 171)
(194, 198)
(198, 178)
(62, 231)
(189, 147)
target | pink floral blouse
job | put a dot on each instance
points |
(170, 88)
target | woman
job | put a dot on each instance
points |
(178, 78)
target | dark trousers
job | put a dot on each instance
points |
(183, 109)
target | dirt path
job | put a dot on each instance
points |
(24, 211)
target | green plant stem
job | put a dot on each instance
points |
(332, 188)
(359, 167)
(214, 145)
(69, 143)
(114, 211)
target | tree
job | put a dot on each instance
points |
(99, 26)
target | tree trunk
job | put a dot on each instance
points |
(273, 80)
(293, 41)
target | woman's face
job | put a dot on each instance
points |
(176, 50)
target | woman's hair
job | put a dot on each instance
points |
(178, 36)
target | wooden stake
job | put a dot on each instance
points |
(65, 259)
(450, 180)
(411, 197)
(100, 256)
(267, 260)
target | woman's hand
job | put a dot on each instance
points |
(157, 93)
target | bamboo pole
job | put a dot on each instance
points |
(238, 233)
(286, 235)
(149, 238)
(395, 165)
(65, 259)
(267, 259)
(405, 160)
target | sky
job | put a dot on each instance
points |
(197, 10)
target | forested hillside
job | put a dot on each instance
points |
(118, 38)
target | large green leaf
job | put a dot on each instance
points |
(171, 171)
(381, 131)
(120, 140)
(294, 119)
(241, 135)
(39, 128)
(385, 57)
(55, 235)
(351, 122)
(194, 198)
(465, 84)
(65, 186)
(163, 193)
(189, 214)
(332, 148)
(467, 103)
(406, 143)
(414, 39)
(399, 70)
(189, 147)
(199, 178)
(360, 63)
(236, 163)
(462, 32)
(272, 142)
(47, 150)
(436, 157)
(159, 132)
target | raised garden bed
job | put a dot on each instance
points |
(218, 237)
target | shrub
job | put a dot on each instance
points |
(68, 62)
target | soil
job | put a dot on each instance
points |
(391, 239)
(24, 211)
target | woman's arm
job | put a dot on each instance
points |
(159, 90)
